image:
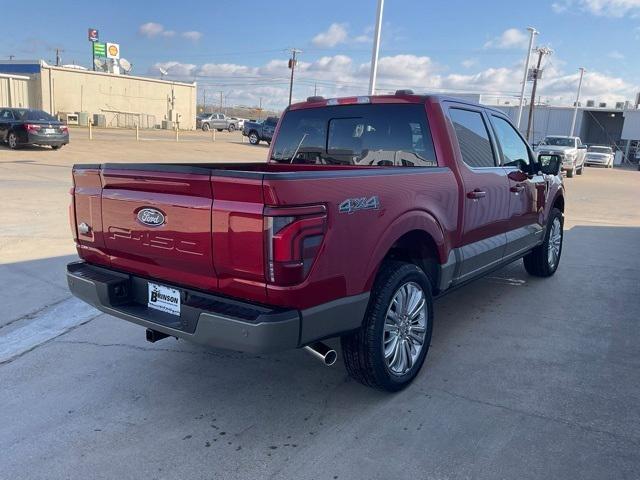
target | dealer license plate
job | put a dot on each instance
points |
(164, 299)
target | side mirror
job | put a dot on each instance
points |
(582, 147)
(550, 164)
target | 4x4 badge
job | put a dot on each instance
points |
(352, 205)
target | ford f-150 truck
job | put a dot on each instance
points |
(367, 210)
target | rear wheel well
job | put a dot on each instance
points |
(559, 203)
(417, 247)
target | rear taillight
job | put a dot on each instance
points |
(64, 129)
(31, 128)
(72, 214)
(293, 237)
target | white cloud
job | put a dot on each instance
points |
(335, 35)
(340, 75)
(150, 29)
(469, 62)
(608, 8)
(616, 55)
(154, 30)
(510, 38)
(192, 35)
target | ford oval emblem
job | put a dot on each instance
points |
(151, 217)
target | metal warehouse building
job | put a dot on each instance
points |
(75, 94)
(594, 125)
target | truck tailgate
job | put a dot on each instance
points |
(186, 225)
(158, 223)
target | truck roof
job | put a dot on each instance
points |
(401, 96)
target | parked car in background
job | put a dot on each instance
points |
(260, 131)
(368, 209)
(26, 126)
(239, 122)
(570, 149)
(599, 155)
(219, 121)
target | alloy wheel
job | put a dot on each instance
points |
(405, 327)
(555, 243)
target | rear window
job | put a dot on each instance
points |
(395, 135)
(559, 141)
(600, 150)
(34, 115)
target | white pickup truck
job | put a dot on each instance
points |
(570, 149)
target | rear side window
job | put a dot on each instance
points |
(473, 138)
(367, 134)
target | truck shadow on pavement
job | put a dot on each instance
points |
(554, 354)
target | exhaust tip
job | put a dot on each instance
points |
(330, 358)
(322, 352)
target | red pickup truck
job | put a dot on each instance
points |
(367, 210)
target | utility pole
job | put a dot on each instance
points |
(575, 108)
(541, 51)
(220, 101)
(11, 57)
(204, 101)
(292, 66)
(376, 49)
(532, 33)
(315, 89)
(58, 58)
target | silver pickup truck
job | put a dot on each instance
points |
(219, 121)
(570, 149)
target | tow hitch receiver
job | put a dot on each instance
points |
(153, 335)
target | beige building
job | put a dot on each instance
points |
(110, 100)
(14, 90)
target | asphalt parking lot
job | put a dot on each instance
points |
(526, 378)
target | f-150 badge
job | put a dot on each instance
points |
(352, 205)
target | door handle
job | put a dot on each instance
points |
(477, 193)
(517, 188)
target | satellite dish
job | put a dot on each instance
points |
(101, 65)
(125, 65)
(163, 72)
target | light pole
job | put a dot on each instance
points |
(376, 49)
(532, 33)
(575, 108)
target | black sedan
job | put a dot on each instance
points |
(26, 126)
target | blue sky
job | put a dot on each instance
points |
(239, 47)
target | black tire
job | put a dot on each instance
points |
(205, 127)
(538, 262)
(570, 173)
(220, 129)
(56, 147)
(232, 127)
(254, 138)
(12, 141)
(579, 172)
(363, 349)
